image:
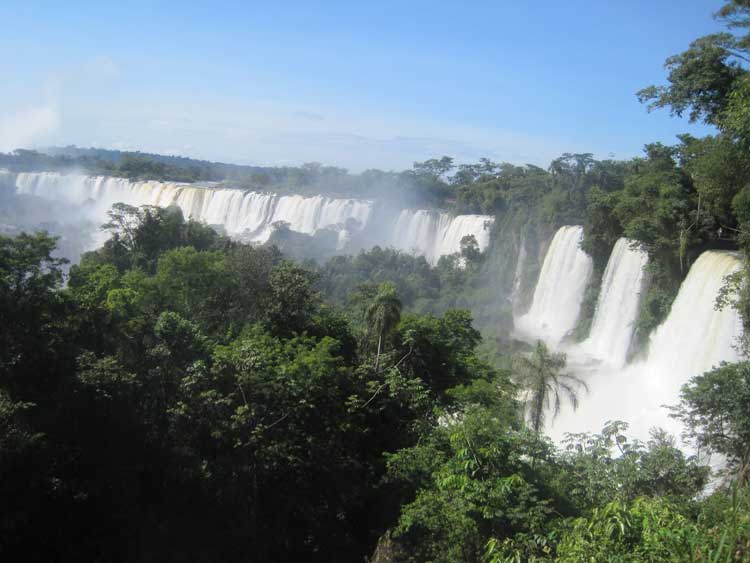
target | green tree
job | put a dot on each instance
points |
(292, 299)
(470, 249)
(383, 315)
(195, 284)
(540, 374)
(719, 168)
(658, 208)
(715, 409)
(32, 316)
(703, 78)
(475, 484)
(139, 234)
(441, 351)
(596, 469)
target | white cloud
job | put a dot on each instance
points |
(43, 121)
(122, 115)
(273, 133)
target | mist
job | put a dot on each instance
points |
(28, 127)
(75, 226)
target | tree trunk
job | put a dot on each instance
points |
(377, 357)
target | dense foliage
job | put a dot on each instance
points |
(182, 386)
(185, 397)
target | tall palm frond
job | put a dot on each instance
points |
(383, 314)
(542, 377)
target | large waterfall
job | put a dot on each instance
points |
(695, 335)
(694, 338)
(559, 292)
(251, 216)
(617, 306)
(434, 234)
(244, 214)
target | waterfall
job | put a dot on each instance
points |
(693, 338)
(617, 306)
(559, 292)
(449, 238)
(245, 215)
(434, 234)
(518, 272)
(250, 216)
(415, 232)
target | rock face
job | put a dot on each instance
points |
(388, 550)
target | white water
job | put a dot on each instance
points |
(518, 273)
(617, 306)
(694, 338)
(559, 292)
(246, 215)
(434, 234)
(6, 178)
(250, 216)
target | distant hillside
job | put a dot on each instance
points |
(179, 166)
(310, 178)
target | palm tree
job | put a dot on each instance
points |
(383, 314)
(541, 375)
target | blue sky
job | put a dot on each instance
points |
(354, 84)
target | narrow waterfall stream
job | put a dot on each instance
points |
(559, 292)
(617, 305)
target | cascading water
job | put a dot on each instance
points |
(617, 306)
(415, 232)
(518, 272)
(695, 335)
(434, 234)
(559, 292)
(449, 239)
(247, 215)
(694, 338)
(251, 216)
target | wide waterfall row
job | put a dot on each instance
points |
(248, 215)
(559, 292)
(617, 307)
(251, 216)
(433, 234)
